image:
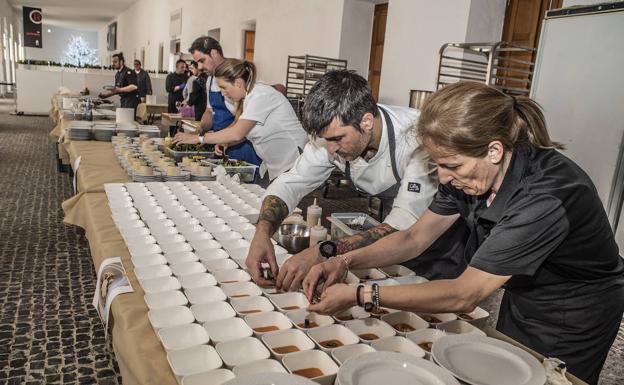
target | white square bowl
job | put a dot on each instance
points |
(187, 268)
(227, 329)
(200, 295)
(198, 236)
(157, 285)
(185, 256)
(460, 327)
(298, 318)
(251, 305)
(267, 322)
(205, 244)
(396, 271)
(211, 254)
(405, 322)
(312, 359)
(287, 341)
(266, 365)
(241, 289)
(219, 264)
(150, 272)
(212, 311)
(336, 333)
(197, 280)
(183, 336)
(289, 301)
(425, 338)
(241, 351)
(369, 328)
(355, 312)
(478, 317)
(165, 299)
(149, 260)
(173, 248)
(398, 344)
(212, 377)
(170, 316)
(231, 276)
(343, 353)
(193, 360)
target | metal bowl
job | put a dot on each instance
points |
(294, 238)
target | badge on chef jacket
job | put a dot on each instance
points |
(129, 72)
(413, 187)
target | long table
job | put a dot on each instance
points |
(141, 357)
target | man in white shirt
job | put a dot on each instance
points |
(371, 144)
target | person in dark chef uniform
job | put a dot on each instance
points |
(144, 81)
(538, 229)
(174, 84)
(126, 84)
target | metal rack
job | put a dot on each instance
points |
(303, 72)
(502, 65)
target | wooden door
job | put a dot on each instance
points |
(377, 46)
(250, 42)
(522, 26)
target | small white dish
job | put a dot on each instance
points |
(193, 360)
(212, 377)
(370, 329)
(398, 344)
(183, 336)
(211, 254)
(157, 285)
(170, 316)
(405, 322)
(150, 272)
(148, 260)
(343, 353)
(330, 337)
(197, 280)
(212, 311)
(259, 367)
(298, 318)
(227, 329)
(267, 322)
(241, 351)
(187, 268)
(204, 294)
(165, 299)
(312, 359)
(231, 276)
(219, 264)
(241, 289)
(177, 258)
(289, 301)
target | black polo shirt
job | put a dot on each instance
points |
(547, 228)
(123, 78)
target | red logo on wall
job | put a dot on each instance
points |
(35, 16)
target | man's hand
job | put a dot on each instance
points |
(335, 299)
(294, 270)
(261, 250)
(176, 88)
(182, 138)
(327, 273)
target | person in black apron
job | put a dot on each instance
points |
(126, 84)
(537, 228)
(362, 141)
(445, 259)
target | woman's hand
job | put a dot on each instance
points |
(335, 299)
(183, 138)
(220, 149)
(328, 273)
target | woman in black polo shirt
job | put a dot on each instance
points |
(538, 228)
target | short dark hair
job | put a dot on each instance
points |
(205, 44)
(137, 61)
(180, 61)
(341, 94)
(120, 56)
(194, 64)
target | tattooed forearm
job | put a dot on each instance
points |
(273, 211)
(365, 238)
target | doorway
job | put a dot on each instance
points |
(249, 44)
(522, 26)
(377, 46)
(161, 56)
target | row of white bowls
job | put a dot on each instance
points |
(165, 263)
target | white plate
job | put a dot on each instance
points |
(479, 360)
(392, 368)
(271, 378)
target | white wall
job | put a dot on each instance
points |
(416, 29)
(55, 42)
(283, 27)
(356, 33)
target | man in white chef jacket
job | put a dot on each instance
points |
(375, 148)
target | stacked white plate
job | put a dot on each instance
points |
(103, 132)
(183, 177)
(80, 132)
(149, 130)
(479, 360)
(130, 129)
(392, 368)
(157, 177)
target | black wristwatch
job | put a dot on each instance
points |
(328, 249)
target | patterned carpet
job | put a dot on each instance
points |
(49, 332)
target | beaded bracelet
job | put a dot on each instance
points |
(376, 300)
(357, 295)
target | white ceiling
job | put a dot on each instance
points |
(81, 14)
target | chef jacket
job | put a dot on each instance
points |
(123, 78)
(547, 228)
(418, 183)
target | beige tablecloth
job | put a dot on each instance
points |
(141, 358)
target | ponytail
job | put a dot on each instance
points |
(232, 69)
(530, 122)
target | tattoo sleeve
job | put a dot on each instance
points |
(365, 238)
(274, 211)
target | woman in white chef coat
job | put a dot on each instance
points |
(264, 116)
